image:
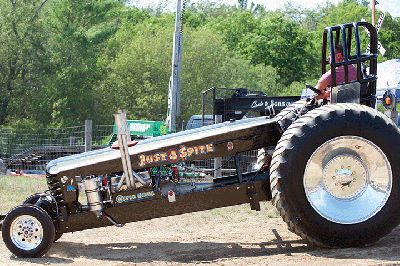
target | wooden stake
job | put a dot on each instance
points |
(373, 12)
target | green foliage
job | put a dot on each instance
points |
(138, 76)
(79, 31)
(64, 61)
(345, 12)
(364, 2)
(22, 57)
(24, 124)
(273, 40)
(389, 36)
(209, 63)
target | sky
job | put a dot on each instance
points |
(391, 6)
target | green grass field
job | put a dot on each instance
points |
(15, 189)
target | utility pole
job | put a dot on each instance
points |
(373, 12)
(174, 82)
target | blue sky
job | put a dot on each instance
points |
(391, 6)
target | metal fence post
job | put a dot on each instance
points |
(218, 160)
(72, 141)
(88, 135)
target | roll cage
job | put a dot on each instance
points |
(352, 55)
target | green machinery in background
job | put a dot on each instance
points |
(141, 129)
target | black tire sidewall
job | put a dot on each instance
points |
(32, 199)
(48, 207)
(352, 123)
(290, 114)
(46, 223)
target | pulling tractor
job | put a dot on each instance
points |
(329, 167)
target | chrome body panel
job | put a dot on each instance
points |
(244, 134)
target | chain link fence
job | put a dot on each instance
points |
(248, 159)
(25, 149)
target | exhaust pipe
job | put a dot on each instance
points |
(123, 139)
(137, 177)
(93, 195)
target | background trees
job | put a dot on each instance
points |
(64, 61)
(78, 33)
(22, 57)
(271, 39)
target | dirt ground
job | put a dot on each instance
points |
(227, 236)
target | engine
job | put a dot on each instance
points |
(111, 190)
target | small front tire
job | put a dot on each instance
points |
(28, 231)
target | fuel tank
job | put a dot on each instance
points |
(217, 140)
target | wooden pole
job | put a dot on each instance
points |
(174, 91)
(88, 135)
(218, 160)
(373, 12)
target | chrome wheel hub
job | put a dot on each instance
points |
(344, 177)
(348, 180)
(26, 232)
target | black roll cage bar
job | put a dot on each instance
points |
(345, 32)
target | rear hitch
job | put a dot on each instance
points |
(252, 193)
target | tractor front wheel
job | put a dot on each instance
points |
(28, 231)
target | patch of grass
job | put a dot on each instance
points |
(15, 189)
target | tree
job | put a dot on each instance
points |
(22, 58)
(235, 27)
(138, 78)
(79, 31)
(64, 61)
(364, 2)
(389, 36)
(273, 40)
(209, 63)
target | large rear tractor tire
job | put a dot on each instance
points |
(291, 113)
(335, 176)
(285, 118)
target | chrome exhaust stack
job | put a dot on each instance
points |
(123, 138)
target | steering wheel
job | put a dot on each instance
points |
(313, 89)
